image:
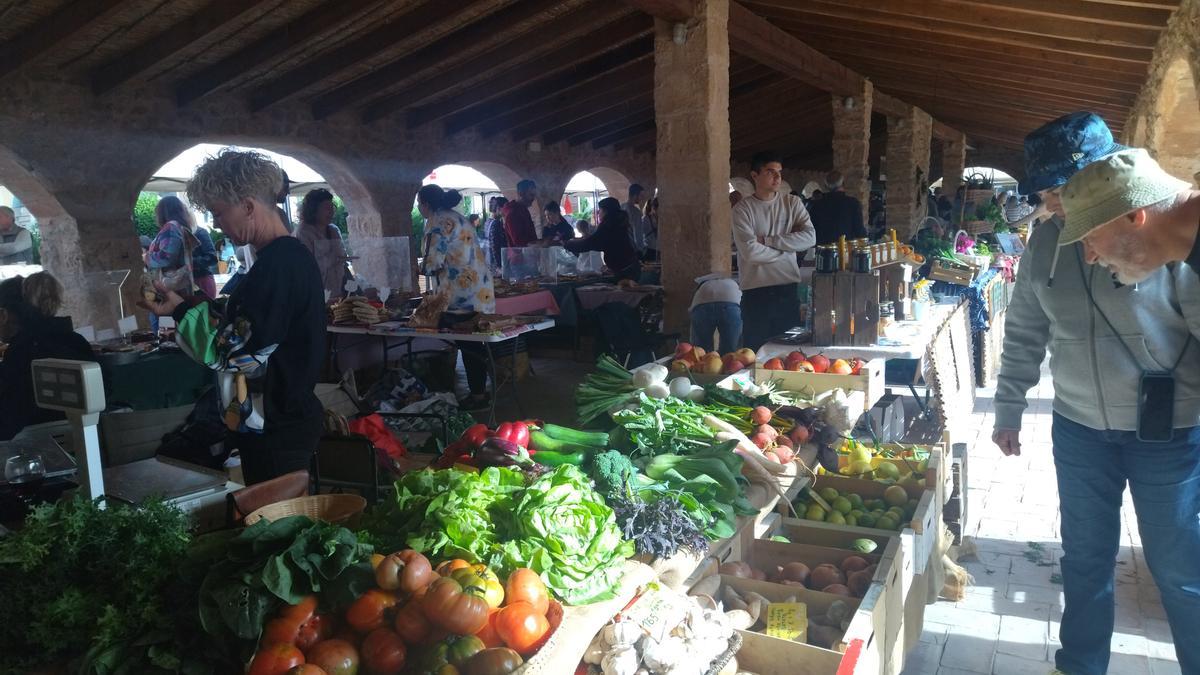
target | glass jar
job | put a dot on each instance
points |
(887, 315)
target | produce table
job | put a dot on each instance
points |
(164, 379)
(391, 335)
(591, 297)
(540, 302)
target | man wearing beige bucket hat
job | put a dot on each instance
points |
(1132, 216)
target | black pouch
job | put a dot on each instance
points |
(1156, 407)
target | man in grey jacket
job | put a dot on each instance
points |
(1102, 337)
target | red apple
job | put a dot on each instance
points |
(746, 356)
(819, 363)
(800, 366)
(856, 365)
(773, 364)
(679, 368)
(795, 356)
(733, 367)
(682, 348)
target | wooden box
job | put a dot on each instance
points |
(846, 308)
(869, 380)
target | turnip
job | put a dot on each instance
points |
(658, 390)
(760, 415)
(680, 387)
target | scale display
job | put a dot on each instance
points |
(69, 386)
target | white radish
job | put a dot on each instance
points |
(658, 390)
(680, 387)
(697, 394)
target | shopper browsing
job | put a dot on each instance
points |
(769, 228)
(1102, 338)
(267, 341)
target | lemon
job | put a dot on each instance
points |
(828, 494)
(841, 505)
(860, 453)
(851, 519)
(836, 518)
(857, 513)
(815, 512)
(859, 468)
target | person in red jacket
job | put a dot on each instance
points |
(518, 223)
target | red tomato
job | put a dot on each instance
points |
(383, 652)
(526, 585)
(280, 631)
(319, 627)
(522, 627)
(276, 659)
(410, 623)
(488, 633)
(307, 669)
(302, 610)
(366, 614)
(335, 657)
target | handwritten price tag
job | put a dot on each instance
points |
(658, 613)
(788, 620)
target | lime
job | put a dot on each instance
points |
(815, 512)
(855, 500)
(828, 494)
(855, 512)
(886, 523)
(866, 520)
(841, 505)
(836, 518)
(887, 470)
(851, 519)
(877, 504)
(895, 496)
(878, 513)
(909, 512)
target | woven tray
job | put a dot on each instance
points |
(329, 508)
(722, 660)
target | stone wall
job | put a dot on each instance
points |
(852, 143)
(1165, 119)
(78, 162)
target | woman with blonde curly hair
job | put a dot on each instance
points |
(455, 261)
(267, 340)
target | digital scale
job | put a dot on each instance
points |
(76, 388)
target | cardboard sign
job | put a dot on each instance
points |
(788, 621)
(658, 612)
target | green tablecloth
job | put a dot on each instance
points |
(159, 380)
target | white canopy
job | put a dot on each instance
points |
(174, 175)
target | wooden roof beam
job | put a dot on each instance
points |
(616, 123)
(361, 48)
(902, 80)
(323, 18)
(575, 131)
(464, 111)
(50, 32)
(754, 36)
(629, 139)
(570, 106)
(893, 107)
(430, 57)
(185, 32)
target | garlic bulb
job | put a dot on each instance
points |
(620, 661)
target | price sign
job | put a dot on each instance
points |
(658, 612)
(788, 620)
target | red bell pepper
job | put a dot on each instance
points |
(515, 432)
(475, 435)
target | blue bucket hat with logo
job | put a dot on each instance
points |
(1056, 151)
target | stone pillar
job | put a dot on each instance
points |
(691, 104)
(907, 170)
(550, 188)
(954, 160)
(852, 143)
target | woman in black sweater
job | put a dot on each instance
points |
(612, 238)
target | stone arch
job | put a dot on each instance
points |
(504, 177)
(615, 182)
(363, 217)
(62, 257)
(1174, 132)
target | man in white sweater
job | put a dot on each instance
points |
(769, 229)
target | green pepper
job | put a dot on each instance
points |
(549, 458)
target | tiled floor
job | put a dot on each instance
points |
(1008, 622)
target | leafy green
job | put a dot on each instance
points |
(557, 525)
(79, 577)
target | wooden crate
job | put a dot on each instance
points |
(869, 380)
(766, 655)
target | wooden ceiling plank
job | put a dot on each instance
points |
(871, 64)
(361, 48)
(982, 18)
(1106, 14)
(51, 31)
(641, 129)
(854, 16)
(514, 21)
(636, 140)
(324, 18)
(567, 107)
(523, 88)
(821, 30)
(479, 66)
(667, 10)
(754, 36)
(616, 123)
(187, 31)
(952, 60)
(895, 79)
(600, 116)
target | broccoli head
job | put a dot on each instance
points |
(612, 471)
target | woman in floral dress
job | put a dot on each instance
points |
(456, 263)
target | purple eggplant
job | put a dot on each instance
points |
(499, 452)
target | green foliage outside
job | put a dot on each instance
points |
(339, 216)
(418, 235)
(143, 214)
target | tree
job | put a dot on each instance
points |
(143, 214)
(339, 216)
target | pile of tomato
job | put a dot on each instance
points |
(455, 619)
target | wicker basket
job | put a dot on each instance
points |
(977, 227)
(330, 508)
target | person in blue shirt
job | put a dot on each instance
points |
(556, 227)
